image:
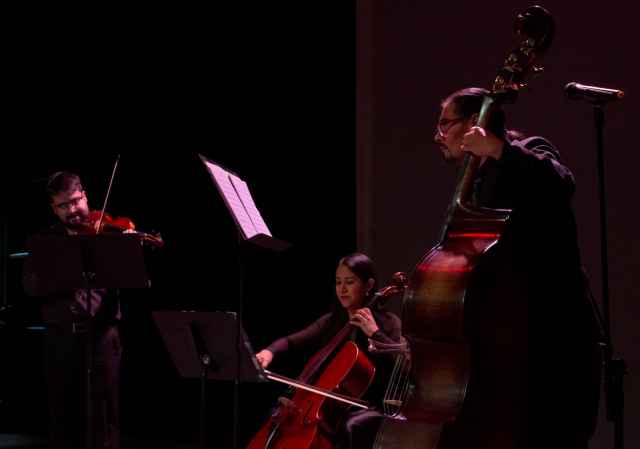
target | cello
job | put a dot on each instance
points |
(340, 371)
(436, 310)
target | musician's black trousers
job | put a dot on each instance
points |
(65, 371)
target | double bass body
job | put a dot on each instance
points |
(434, 325)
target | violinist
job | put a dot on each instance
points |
(534, 331)
(65, 314)
(355, 285)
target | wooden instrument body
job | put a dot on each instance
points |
(314, 417)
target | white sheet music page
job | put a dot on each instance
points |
(233, 201)
(245, 196)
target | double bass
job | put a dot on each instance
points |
(435, 311)
(336, 375)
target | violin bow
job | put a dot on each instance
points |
(106, 198)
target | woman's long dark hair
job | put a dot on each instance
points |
(362, 266)
(469, 101)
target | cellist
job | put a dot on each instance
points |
(355, 284)
(534, 331)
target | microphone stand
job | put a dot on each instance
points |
(614, 369)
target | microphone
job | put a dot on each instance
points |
(593, 94)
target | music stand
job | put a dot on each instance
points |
(70, 262)
(252, 232)
(237, 197)
(85, 262)
(203, 345)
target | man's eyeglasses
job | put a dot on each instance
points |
(444, 125)
(67, 204)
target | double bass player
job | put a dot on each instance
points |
(533, 332)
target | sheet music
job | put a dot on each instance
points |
(230, 197)
(245, 196)
(238, 198)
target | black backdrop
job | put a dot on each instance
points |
(268, 93)
(413, 53)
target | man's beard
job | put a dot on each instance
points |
(77, 220)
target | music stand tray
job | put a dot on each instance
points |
(205, 345)
(70, 262)
(189, 335)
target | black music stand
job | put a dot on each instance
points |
(84, 262)
(237, 197)
(203, 345)
(72, 262)
(252, 231)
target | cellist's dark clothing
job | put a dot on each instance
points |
(65, 314)
(360, 426)
(535, 359)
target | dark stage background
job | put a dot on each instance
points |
(268, 92)
(411, 54)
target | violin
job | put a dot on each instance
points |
(98, 223)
